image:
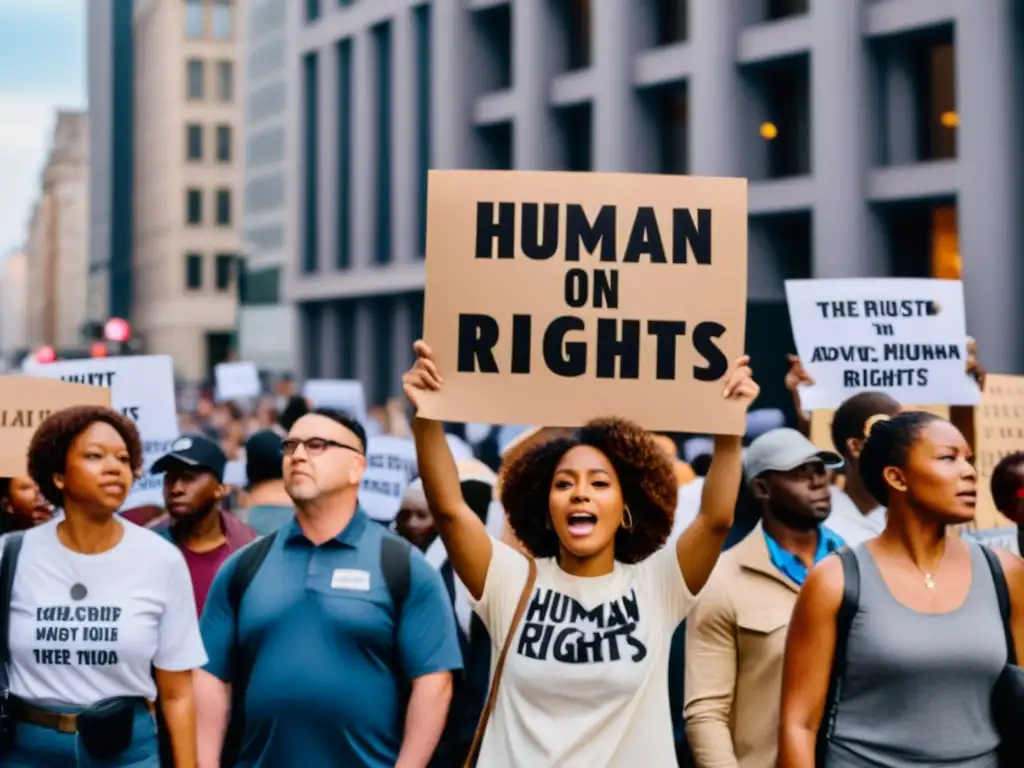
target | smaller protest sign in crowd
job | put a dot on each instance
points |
(656, 571)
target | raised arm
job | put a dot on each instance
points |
(807, 668)
(463, 533)
(795, 376)
(701, 543)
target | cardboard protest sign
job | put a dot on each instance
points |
(821, 424)
(24, 403)
(998, 432)
(904, 337)
(237, 381)
(554, 298)
(344, 394)
(142, 388)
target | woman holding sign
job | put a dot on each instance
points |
(584, 629)
(101, 616)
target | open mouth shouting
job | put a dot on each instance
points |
(582, 524)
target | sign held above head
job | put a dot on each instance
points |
(555, 297)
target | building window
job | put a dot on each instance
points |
(261, 286)
(312, 10)
(196, 76)
(194, 142)
(344, 54)
(421, 20)
(785, 131)
(224, 207)
(310, 110)
(672, 22)
(494, 69)
(946, 263)
(497, 145)
(193, 271)
(194, 206)
(383, 314)
(579, 38)
(937, 115)
(225, 80)
(382, 38)
(781, 9)
(223, 265)
(220, 21)
(195, 18)
(224, 143)
(671, 106)
(576, 124)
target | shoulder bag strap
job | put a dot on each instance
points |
(844, 621)
(8, 565)
(492, 697)
(1003, 596)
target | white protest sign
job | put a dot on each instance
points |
(390, 467)
(237, 381)
(142, 388)
(344, 394)
(906, 337)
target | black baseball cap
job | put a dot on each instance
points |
(264, 456)
(196, 451)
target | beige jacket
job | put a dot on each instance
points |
(735, 639)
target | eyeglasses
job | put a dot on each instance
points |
(314, 446)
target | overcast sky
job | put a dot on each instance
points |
(42, 67)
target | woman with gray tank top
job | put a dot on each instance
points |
(926, 644)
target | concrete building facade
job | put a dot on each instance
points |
(266, 323)
(878, 137)
(56, 251)
(110, 66)
(13, 308)
(187, 174)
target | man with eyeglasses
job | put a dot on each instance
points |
(343, 643)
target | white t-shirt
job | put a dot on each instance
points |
(848, 521)
(584, 684)
(88, 627)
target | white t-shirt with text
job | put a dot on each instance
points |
(849, 522)
(89, 627)
(585, 680)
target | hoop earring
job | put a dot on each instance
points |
(627, 518)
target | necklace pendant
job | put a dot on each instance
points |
(929, 581)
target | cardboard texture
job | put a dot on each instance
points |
(998, 431)
(555, 298)
(25, 402)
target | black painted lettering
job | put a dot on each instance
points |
(577, 287)
(489, 229)
(606, 289)
(704, 336)
(645, 238)
(611, 348)
(539, 240)
(522, 334)
(478, 334)
(565, 358)
(580, 231)
(693, 235)
(667, 333)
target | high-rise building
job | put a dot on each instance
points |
(187, 175)
(266, 323)
(13, 310)
(879, 137)
(56, 251)
(111, 156)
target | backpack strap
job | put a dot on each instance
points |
(492, 697)
(394, 564)
(1003, 597)
(844, 621)
(247, 566)
(8, 566)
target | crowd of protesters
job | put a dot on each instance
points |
(277, 624)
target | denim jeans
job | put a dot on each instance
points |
(38, 747)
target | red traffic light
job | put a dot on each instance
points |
(117, 329)
(46, 354)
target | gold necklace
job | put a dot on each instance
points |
(929, 581)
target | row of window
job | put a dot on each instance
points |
(194, 207)
(205, 19)
(195, 267)
(314, 10)
(196, 80)
(195, 150)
